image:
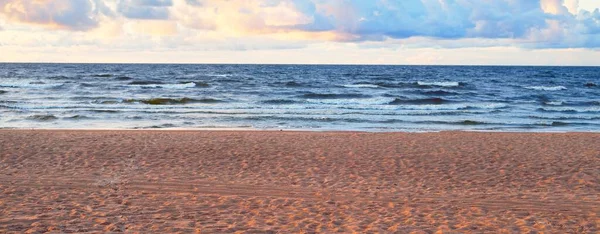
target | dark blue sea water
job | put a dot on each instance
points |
(366, 98)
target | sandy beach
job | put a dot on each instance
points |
(294, 182)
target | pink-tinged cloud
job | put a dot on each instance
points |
(79, 15)
(525, 23)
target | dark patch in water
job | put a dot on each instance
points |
(471, 122)
(124, 78)
(279, 101)
(59, 77)
(385, 84)
(105, 111)
(58, 87)
(558, 123)
(168, 125)
(3, 92)
(561, 111)
(293, 84)
(464, 122)
(172, 101)
(543, 74)
(590, 84)
(102, 75)
(42, 117)
(438, 92)
(107, 102)
(87, 85)
(425, 101)
(78, 117)
(145, 82)
(333, 96)
(36, 82)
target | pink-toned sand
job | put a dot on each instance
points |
(283, 182)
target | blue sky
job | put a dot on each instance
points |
(536, 32)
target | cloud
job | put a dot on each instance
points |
(440, 23)
(78, 15)
(145, 9)
(541, 23)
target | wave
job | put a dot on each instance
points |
(458, 122)
(334, 96)
(425, 101)
(293, 84)
(87, 85)
(78, 117)
(361, 86)
(124, 78)
(103, 75)
(219, 75)
(172, 101)
(302, 118)
(145, 82)
(352, 101)
(553, 123)
(440, 84)
(3, 91)
(198, 84)
(546, 88)
(104, 111)
(561, 103)
(571, 117)
(279, 101)
(42, 117)
(569, 110)
(167, 125)
(59, 77)
(158, 84)
(554, 103)
(437, 92)
(34, 85)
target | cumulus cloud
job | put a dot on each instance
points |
(529, 23)
(62, 14)
(145, 9)
(521, 23)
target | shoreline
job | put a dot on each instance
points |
(278, 130)
(272, 181)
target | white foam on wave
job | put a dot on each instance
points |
(441, 84)
(170, 86)
(350, 101)
(361, 86)
(219, 75)
(27, 84)
(453, 106)
(557, 103)
(547, 88)
(591, 109)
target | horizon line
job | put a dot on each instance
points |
(309, 64)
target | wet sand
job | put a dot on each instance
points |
(282, 182)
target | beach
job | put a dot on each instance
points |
(157, 181)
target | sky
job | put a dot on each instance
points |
(452, 32)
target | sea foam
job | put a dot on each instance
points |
(546, 88)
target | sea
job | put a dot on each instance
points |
(299, 97)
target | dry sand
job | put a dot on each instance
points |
(261, 182)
